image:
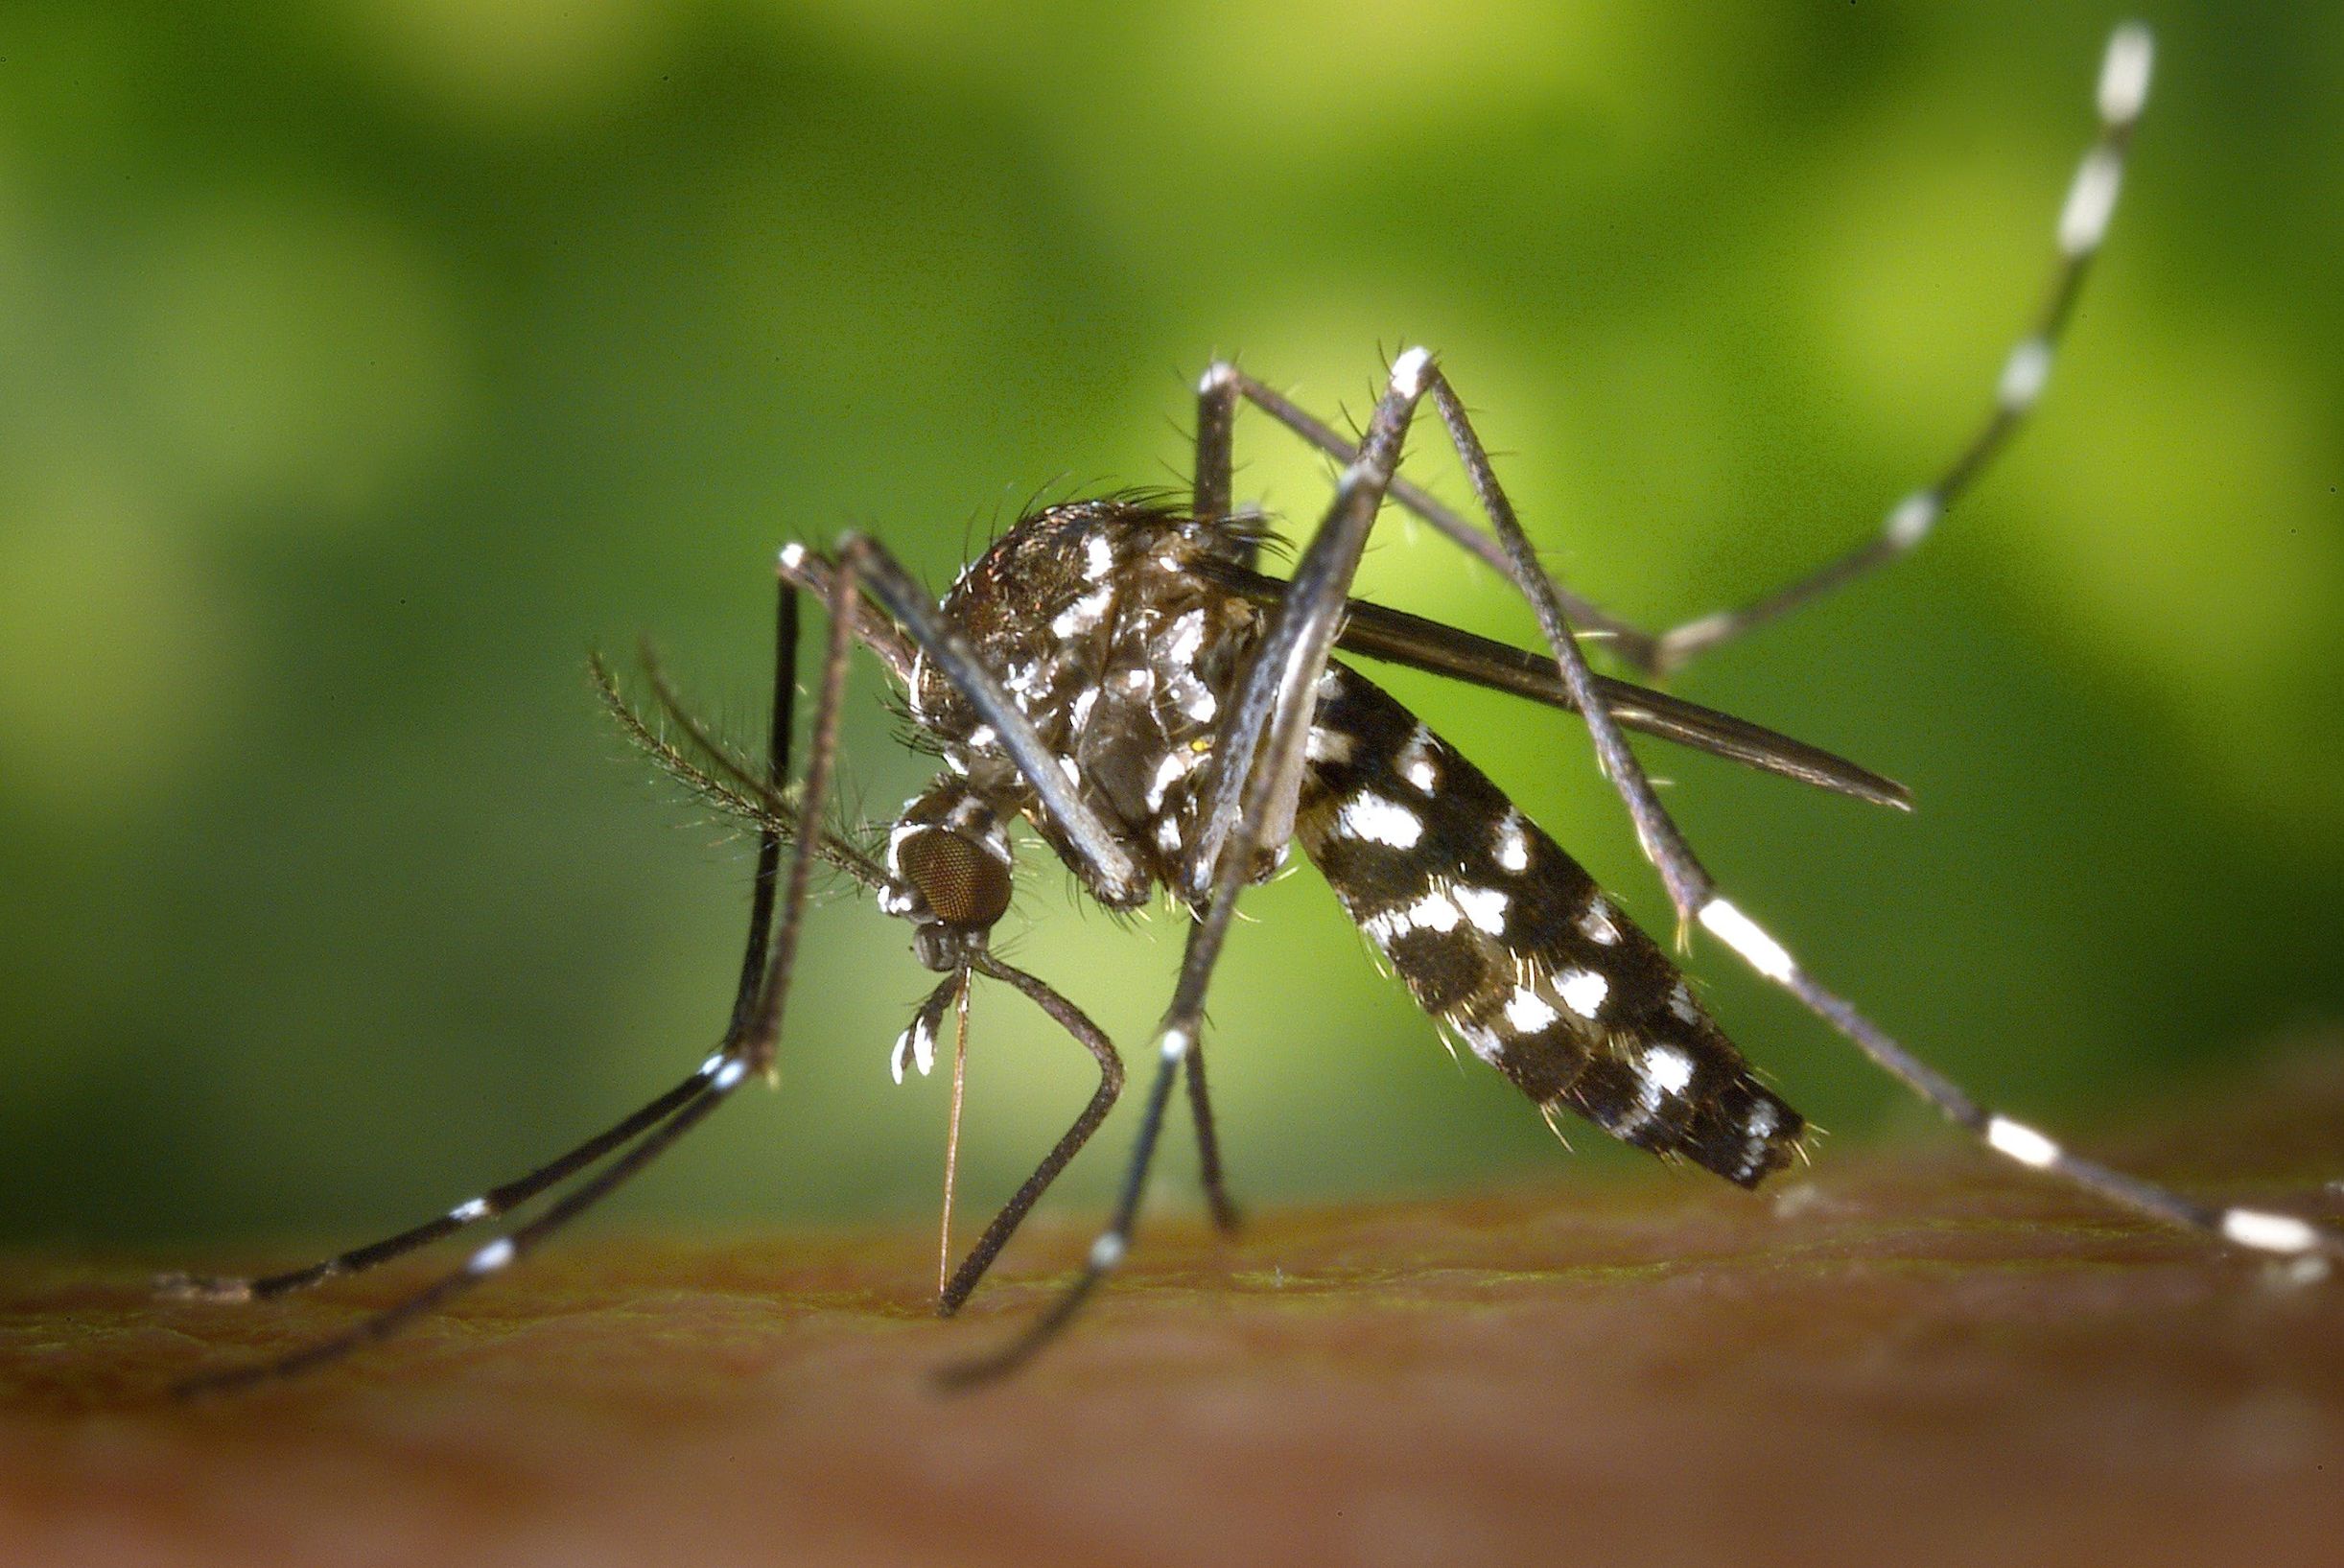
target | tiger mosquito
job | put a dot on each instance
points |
(1119, 676)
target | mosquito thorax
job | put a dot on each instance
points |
(1120, 652)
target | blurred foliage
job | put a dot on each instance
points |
(363, 363)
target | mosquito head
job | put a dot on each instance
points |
(964, 888)
(949, 874)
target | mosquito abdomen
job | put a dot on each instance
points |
(1507, 943)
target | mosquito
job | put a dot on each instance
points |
(1120, 677)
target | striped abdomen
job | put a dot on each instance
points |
(1508, 942)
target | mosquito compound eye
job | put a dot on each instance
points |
(963, 882)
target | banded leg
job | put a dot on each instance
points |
(1259, 759)
(499, 1201)
(495, 1202)
(2083, 224)
(1697, 900)
(766, 967)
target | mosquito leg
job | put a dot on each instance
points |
(488, 1206)
(2083, 224)
(1260, 761)
(1224, 1216)
(809, 572)
(1633, 645)
(1106, 1253)
(2255, 1229)
(499, 1201)
(1216, 418)
(752, 1020)
(760, 1029)
(1663, 844)
(493, 1258)
(1697, 900)
(1094, 1039)
(765, 887)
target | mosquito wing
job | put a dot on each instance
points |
(1396, 637)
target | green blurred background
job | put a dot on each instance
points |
(364, 364)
